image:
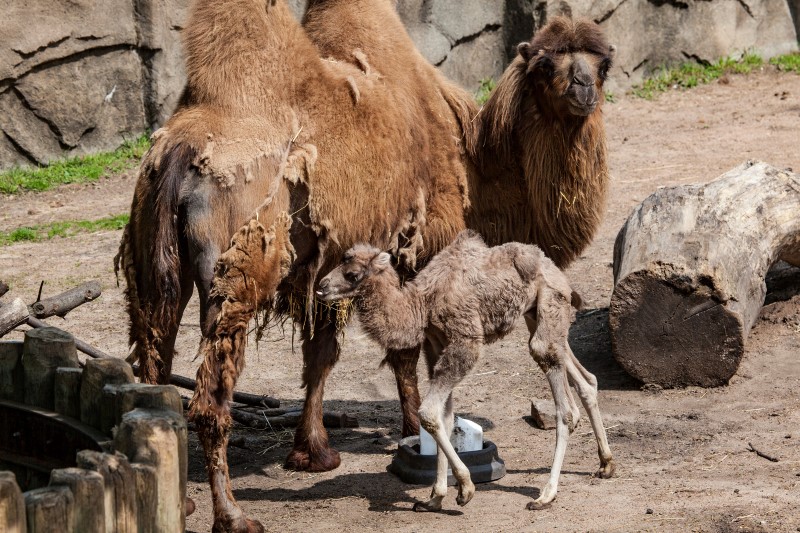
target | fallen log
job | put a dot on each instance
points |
(689, 270)
(330, 419)
(3, 288)
(238, 397)
(12, 315)
(65, 302)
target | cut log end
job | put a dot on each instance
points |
(674, 336)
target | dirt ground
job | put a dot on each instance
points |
(682, 454)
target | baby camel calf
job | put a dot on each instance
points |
(467, 296)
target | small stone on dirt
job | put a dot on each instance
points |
(649, 511)
(543, 414)
(33, 211)
(652, 388)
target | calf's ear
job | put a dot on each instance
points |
(383, 260)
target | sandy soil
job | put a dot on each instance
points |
(682, 454)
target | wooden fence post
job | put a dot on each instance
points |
(45, 350)
(96, 374)
(119, 488)
(12, 505)
(11, 374)
(49, 510)
(67, 392)
(87, 488)
(158, 438)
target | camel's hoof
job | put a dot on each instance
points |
(607, 470)
(243, 525)
(465, 494)
(538, 506)
(464, 499)
(190, 506)
(322, 460)
(427, 507)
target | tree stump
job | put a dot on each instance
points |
(689, 269)
(97, 374)
(49, 510)
(67, 392)
(12, 505)
(11, 373)
(159, 438)
(44, 351)
(87, 489)
(119, 493)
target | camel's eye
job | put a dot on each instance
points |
(546, 66)
(353, 277)
(603, 70)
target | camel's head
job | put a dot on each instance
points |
(568, 62)
(359, 262)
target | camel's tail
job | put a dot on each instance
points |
(150, 259)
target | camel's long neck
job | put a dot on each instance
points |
(244, 54)
(395, 317)
(545, 182)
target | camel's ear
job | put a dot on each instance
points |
(525, 50)
(383, 260)
(576, 301)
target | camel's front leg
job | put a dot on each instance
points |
(210, 411)
(311, 451)
(404, 365)
(245, 279)
(436, 416)
(439, 490)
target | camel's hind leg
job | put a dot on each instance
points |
(436, 415)
(586, 385)
(549, 328)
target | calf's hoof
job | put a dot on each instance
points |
(321, 460)
(427, 507)
(607, 470)
(465, 494)
(538, 506)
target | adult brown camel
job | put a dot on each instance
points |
(271, 136)
(538, 171)
(244, 144)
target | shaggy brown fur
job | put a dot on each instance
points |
(540, 148)
(467, 296)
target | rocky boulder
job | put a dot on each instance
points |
(75, 78)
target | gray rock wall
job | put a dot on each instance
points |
(79, 76)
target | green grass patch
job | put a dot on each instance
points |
(485, 89)
(787, 62)
(76, 169)
(691, 75)
(62, 229)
